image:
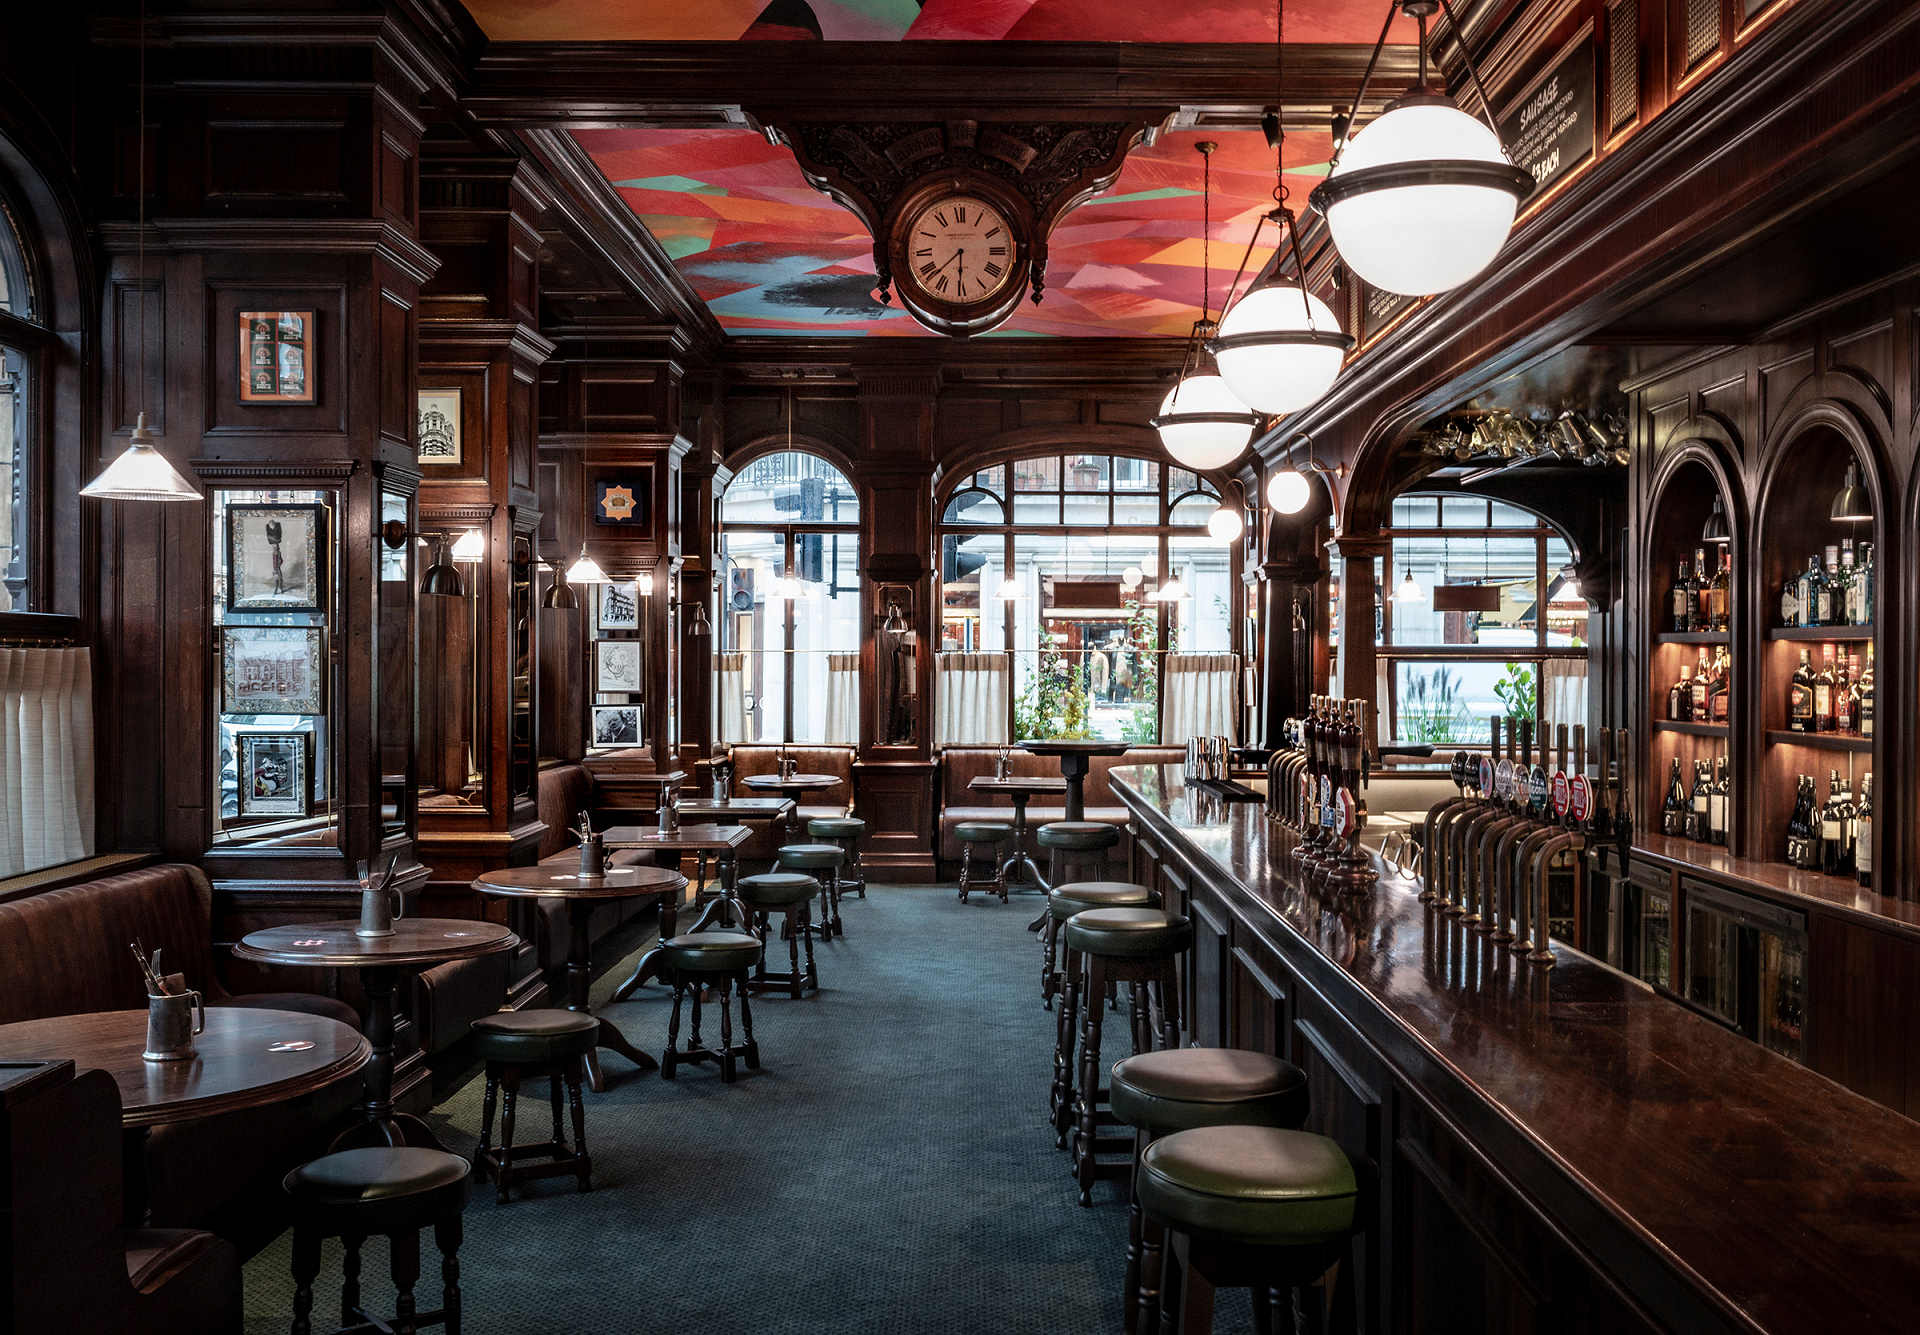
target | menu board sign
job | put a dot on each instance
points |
(1378, 308)
(1550, 129)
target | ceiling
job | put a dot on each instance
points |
(1308, 21)
(771, 255)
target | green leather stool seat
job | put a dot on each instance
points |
(711, 952)
(375, 1176)
(1252, 1184)
(776, 889)
(982, 832)
(813, 857)
(1079, 835)
(836, 827)
(534, 1036)
(1181, 1088)
(1129, 933)
(1063, 901)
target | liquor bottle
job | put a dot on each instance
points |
(1800, 824)
(1823, 692)
(1719, 600)
(1840, 594)
(1790, 602)
(1863, 712)
(1813, 583)
(1680, 698)
(1720, 691)
(1832, 827)
(1843, 698)
(1863, 833)
(1702, 689)
(1864, 575)
(1682, 600)
(1800, 696)
(1673, 814)
(1702, 591)
(1700, 804)
(1718, 804)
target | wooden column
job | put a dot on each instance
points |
(1352, 559)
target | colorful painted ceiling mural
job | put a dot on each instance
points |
(771, 255)
(925, 20)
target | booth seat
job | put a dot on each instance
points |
(749, 760)
(66, 953)
(960, 765)
(562, 792)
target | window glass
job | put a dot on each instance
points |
(1030, 509)
(790, 488)
(1448, 703)
(992, 479)
(825, 625)
(973, 507)
(1085, 637)
(16, 289)
(1193, 510)
(1203, 619)
(1506, 566)
(1088, 472)
(1466, 512)
(1416, 512)
(1566, 607)
(972, 612)
(15, 420)
(1510, 516)
(1041, 474)
(752, 637)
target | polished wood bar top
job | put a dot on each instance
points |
(1788, 1202)
(1792, 886)
(551, 881)
(337, 945)
(245, 1058)
(688, 838)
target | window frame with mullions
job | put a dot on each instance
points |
(27, 344)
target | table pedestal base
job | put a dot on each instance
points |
(721, 907)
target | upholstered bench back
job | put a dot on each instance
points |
(561, 793)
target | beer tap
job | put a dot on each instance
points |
(1623, 812)
(1466, 782)
(1567, 841)
(1440, 857)
(1515, 908)
(1520, 816)
(1498, 843)
(1469, 829)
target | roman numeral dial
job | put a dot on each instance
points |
(961, 249)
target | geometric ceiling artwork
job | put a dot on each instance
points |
(769, 254)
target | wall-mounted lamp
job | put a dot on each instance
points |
(645, 584)
(1852, 505)
(1226, 524)
(700, 625)
(443, 576)
(560, 596)
(1289, 490)
(471, 548)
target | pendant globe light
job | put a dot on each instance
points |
(1422, 199)
(1202, 424)
(1280, 348)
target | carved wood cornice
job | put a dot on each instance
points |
(310, 236)
(244, 470)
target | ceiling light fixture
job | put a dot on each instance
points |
(1409, 590)
(1851, 504)
(1714, 532)
(1170, 592)
(1202, 424)
(1280, 348)
(1423, 198)
(586, 570)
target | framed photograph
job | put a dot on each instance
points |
(274, 557)
(272, 670)
(616, 725)
(619, 607)
(439, 427)
(616, 667)
(620, 502)
(275, 774)
(276, 357)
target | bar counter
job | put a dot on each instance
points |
(1556, 1149)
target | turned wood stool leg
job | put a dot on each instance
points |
(350, 1279)
(511, 1077)
(306, 1268)
(403, 1260)
(584, 1177)
(1066, 1034)
(1088, 1095)
(752, 1048)
(553, 1097)
(669, 1061)
(725, 987)
(793, 958)
(447, 1234)
(1049, 979)
(488, 1102)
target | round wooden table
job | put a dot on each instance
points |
(1020, 790)
(245, 1058)
(416, 944)
(792, 787)
(1075, 759)
(581, 893)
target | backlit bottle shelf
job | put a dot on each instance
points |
(1824, 741)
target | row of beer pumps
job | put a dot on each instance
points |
(1316, 794)
(1488, 852)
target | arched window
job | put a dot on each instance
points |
(23, 342)
(1052, 617)
(1492, 624)
(789, 620)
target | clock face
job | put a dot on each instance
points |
(960, 249)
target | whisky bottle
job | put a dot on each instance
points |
(1790, 603)
(1863, 833)
(1823, 692)
(1680, 698)
(1682, 601)
(1864, 712)
(1720, 615)
(1720, 688)
(1843, 697)
(1702, 591)
(1717, 804)
(1702, 684)
(1673, 814)
(1700, 804)
(1800, 696)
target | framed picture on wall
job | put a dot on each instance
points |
(619, 607)
(616, 725)
(276, 357)
(274, 557)
(272, 670)
(275, 774)
(438, 431)
(616, 667)
(620, 501)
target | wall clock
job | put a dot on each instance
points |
(959, 249)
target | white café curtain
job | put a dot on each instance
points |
(1564, 683)
(1199, 693)
(46, 758)
(843, 699)
(970, 699)
(733, 698)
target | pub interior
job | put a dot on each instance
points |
(981, 665)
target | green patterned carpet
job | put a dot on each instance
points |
(889, 1171)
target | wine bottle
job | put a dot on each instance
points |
(1673, 814)
(1864, 575)
(1702, 591)
(1719, 598)
(1717, 804)
(1832, 824)
(1800, 823)
(1680, 696)
(1863, 833)
(1823, 692)
(1682, 601)
(1700, 804)
(1842, 594)
(1843, 697)
(1864, 713)
(1800, 696)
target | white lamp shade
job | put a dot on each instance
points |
(471, 547)
(141, 473)
(1418, 239)
(1288, 492)
(1225, 524)
(1130, 577)
(1170, 592)
(1204, 445)
(1410, 591)
(586, 570)
(1278, 377)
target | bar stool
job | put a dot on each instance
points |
(1136, 946)
(1253, 1207)
(515, 1044)
(988, 835)
(1078, 844)
(719, 961)
(788, 893)
(1063, 901)
(390, 1192)
(1178, 1089)
(823, 862)
(847, 832)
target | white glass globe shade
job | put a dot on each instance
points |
(1225, 525)
(1288, 492)
(1279, 377)
(1130, 577)
(1204, 446)
(1420, 239)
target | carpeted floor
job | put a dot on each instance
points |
(888, 1171)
